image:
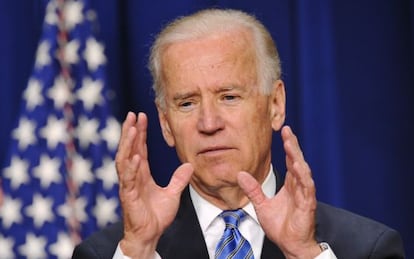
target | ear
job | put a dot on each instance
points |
(278, 105)
(165, 126)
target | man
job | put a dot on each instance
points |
(219, 97)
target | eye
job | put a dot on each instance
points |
(230, 97)
(186, 105)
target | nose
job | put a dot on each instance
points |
(210, 119)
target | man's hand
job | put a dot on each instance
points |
(147, 208)
(288, 218)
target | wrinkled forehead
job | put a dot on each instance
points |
(216, 59)
(237, 36)
(213, 51)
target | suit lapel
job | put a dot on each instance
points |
(270, 250)
(183, 238)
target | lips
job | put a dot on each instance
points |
(213, 150)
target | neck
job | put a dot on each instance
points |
(225, 198)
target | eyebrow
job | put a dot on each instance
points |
(229, 88)
(185, 95)
(182, 96)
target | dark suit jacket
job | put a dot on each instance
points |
(349, 235)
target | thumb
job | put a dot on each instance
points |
(251, 188)
(180, 178)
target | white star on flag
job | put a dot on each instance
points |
(6, 247)
(10, 212)
(17, 172)
(33, 94)
(73, 14)
(34, 247)
(94, 54)
(51, 16)
(82, 170)
(60, 93)
(42, 54)
(25, 133)
(71, 51)
(104, 210)
(111, 133)
(63, 247)
(59, 180)
(48, 171)
(86, 132)
(90, 93)
(54, 132)
(106, 173)
(40, 210)
(67, 211)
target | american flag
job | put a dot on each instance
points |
(59, 180)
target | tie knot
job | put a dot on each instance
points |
(232, 218)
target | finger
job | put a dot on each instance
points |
(295, 161)
(129, 122)
(124, 150)
(301, 187)
(128, 175)
(293, 151)
(291, 144)
(134, 143)
(127, 135)
(290, 181)
(180, 179)
(304, 174)
(291, 147)
(143, 173)
(251, 188)
(299, 170)
(141, 140)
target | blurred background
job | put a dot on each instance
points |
(348, 67)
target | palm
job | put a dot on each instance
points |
(149, 211)
(288, 218)
(147, 208)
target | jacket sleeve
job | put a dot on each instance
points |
(100, 245)
(388, 245)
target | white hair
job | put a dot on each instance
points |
(207, 22)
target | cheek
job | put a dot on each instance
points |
(184, 140)
(259, 129)
(258, 136)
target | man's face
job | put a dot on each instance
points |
(215, 115)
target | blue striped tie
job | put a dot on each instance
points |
(232, 244)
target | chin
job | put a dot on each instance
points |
(218, 178)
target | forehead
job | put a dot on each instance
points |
(220, 57)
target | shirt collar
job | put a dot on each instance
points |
(207, 212)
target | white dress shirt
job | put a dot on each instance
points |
(212, 225)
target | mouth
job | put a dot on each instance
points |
(213, 150)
